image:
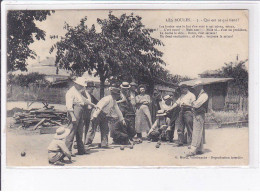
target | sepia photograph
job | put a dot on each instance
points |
(127, 88)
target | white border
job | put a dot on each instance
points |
(22, 176)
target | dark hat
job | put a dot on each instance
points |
(133, 84)
(142, 86)
(90, 84)
(114, 90)
(184, 86)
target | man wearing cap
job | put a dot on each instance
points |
(184, 102)
(75, 106)
(88, 94)
(100, 115)
(200, 107)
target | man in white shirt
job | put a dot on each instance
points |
(88, 94)
(103, 109)
(200, 107)
(184, 102)
(74, 103)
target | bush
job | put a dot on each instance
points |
(28, 79)
(224, 117)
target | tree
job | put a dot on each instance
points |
(21, 31)
(132, 49)
(239, 73)
(235, 70)
(123, 49)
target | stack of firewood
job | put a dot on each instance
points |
(35, 118)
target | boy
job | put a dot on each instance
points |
(57, 149)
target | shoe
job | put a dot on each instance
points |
(58, 163)
(200, 152)
(189, 147)
(180, 144)
(190, 154)
(73, 155)
(106, 147)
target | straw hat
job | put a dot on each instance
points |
(125, 85)
(160, 113)
(166, 97)
(61, 133)
(80, 81)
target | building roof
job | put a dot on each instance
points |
(206, 81)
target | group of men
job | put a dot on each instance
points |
(86, 112)
(190, 108)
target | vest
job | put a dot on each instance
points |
(203, 108)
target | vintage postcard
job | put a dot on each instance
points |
(127, 88)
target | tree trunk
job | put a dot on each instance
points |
(102, 87)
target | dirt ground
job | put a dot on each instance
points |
(226, 146)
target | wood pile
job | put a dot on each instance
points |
(46, 117)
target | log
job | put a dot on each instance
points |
(57, 123)
(35, 127)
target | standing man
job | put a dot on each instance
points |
(122, 133)
(200, 107)
(99, 118)
(133, 93)
(184, 102)
(88, 94)
(166, 105)
(155, 104)
(75, 106)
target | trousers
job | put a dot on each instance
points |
(76, 129)
(173, 115)
(186, 121)
(198, 131)
(87, 115)
(102, 122)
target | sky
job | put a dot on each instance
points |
(183, 56)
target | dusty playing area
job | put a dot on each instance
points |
(229, 143)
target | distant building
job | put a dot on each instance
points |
(216, 89)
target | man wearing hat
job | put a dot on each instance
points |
(125, 92)
(103, 109)
(133, 93)
(121, 134)
(75, 106)
(166, 105)
(184, 102)
(161, 127)
(88, 94)
(200, 107)
(57, 149)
